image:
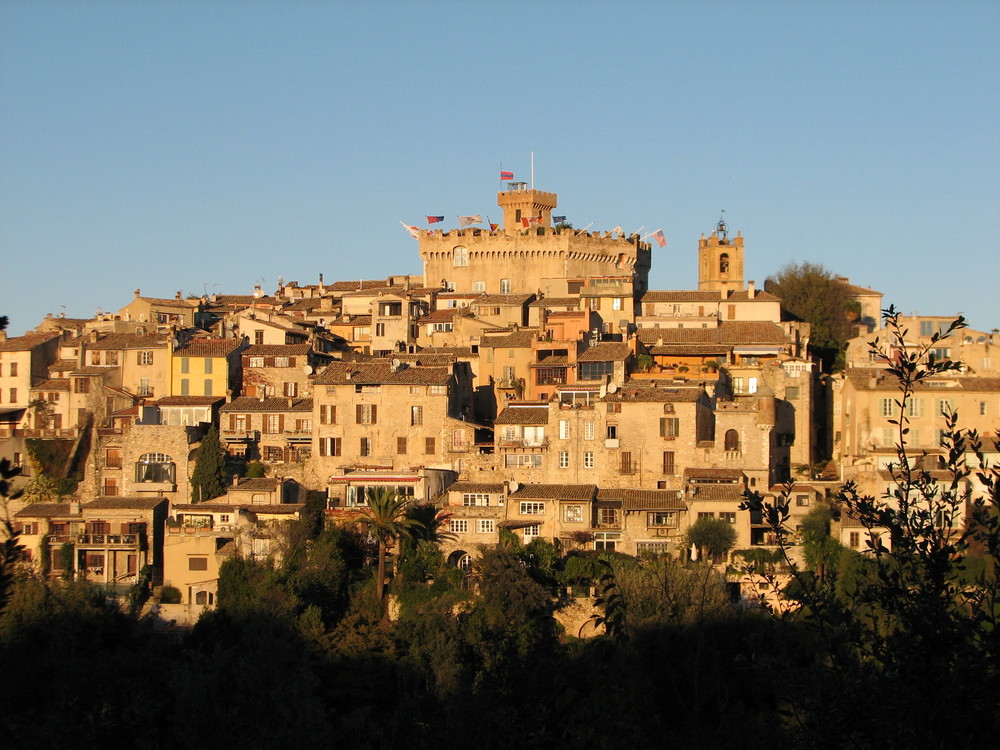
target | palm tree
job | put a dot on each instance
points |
(387, 521)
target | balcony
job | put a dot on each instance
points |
(523, 442)
(109, 540)
(154, 487)
(241, 435)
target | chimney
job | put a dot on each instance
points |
(289, 402)
(74, 507)
(751, 289)
(137, 295)
(236, 481)
(178, 295)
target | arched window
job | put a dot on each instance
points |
(465, 563)
(723, 263)
(155, 467)
(732, 440)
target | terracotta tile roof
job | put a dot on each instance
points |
(209, 507)
(277, 350)
(444, 316)
(208, 347)
(247, 299)
(162, 302)
(429, 359)
(272, 509)
(53, 384)
(124, 503)
(736, 295)
(93, 370)
(43, 510)
(378, 373)
(63, 365)
(503, 299)
(692, 474)
(573, 302)
(27, 342)
(309, 303)
(351, 286)
(127, 341)
(510, 340)
(718, 493)
(352, 320)
(607, 351)
(256, 484)
(272, 404)
(190, 400)
(551, 361)
(553, 314)
(690, 349)
(383, 289)
(529, 415)
(654, 295)
(631, 393)
(555, 492)
(632, 499)
(728, 332)
(477, 487)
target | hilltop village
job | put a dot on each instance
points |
(528, 381)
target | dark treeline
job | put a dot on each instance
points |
(300, 653)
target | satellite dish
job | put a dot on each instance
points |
(513, 486)
(612, 388)
(307, 369)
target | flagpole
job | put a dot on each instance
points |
(532, 170)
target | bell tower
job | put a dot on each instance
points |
(520, 203)
(720, 261)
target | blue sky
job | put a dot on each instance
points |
(208, 145)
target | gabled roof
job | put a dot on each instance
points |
(555, 492)
(256, 484)
(606, 351)
(509, 340)
(633, 393)
(27, 342)
(730, 332)
(730, 493)
(211, 348)
(126, 341)
(671, 295)
(692, 474)
(53, 384)
(277, 350)
(556, 302)
(502, 299)
(272, 404)
(190, 400)
(632, 499)
(379, 373)
(525, 415)
(477, 487)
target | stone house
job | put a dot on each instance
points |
(108, 540)
(274, 430)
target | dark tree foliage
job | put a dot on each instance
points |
(810, 292)
(913, 620)
(208, 479)
(713, 536)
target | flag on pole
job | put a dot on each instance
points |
(529, 220)
(414, 231)
(464, 221)
(618, 229)
(506, 175)
(494, 227)
(661, 240)
(559, 219)
(434, 219)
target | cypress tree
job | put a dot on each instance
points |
(209, 477)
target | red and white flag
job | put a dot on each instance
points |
(414, 231)
(464, 221)
(660, 238)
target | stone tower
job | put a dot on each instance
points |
(519, 203)
(720, 261)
